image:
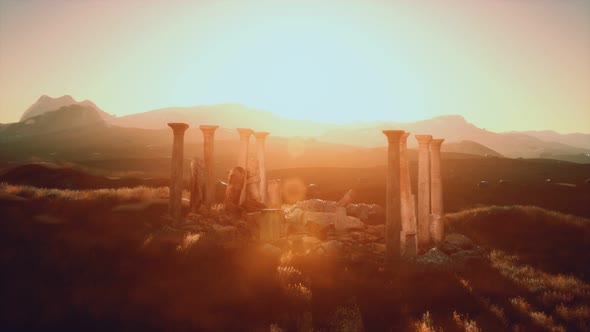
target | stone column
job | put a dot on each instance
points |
(423, 192)
(392, 200)
(274, 194)
(235, 184)
(407, 206)
(196, 184)
(270, 224)
(208, 145)
(253, 181)
(176, 183)
(436, 201)
(261, 150)
(245, 134)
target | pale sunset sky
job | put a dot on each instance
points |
(502, 64)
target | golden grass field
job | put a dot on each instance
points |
(71, 262)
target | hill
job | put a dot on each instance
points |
(72, 117)
(576, 139)
(226, 116)
(469, 147)
(460, 135)
(48, 104)
(453, 128)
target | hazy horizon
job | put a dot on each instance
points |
(504, 66)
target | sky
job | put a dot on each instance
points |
(502, 64)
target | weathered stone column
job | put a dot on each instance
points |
(208, 148)
(274, 194)
(261, 151)
(407, 206)
(392, 200)
(436, 201)
(235, 184)
(423, 192)
(176, 183)
(196, 184)
(253, 181)
(245, 134)
(270, 224)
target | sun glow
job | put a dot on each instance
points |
(336, 61)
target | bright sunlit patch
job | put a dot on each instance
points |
(188, 241)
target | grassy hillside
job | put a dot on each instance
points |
(76, 260)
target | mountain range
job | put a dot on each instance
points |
(47, 104)
(52, 114)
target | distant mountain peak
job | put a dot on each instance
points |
(46, 104)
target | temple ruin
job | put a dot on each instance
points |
(413, 223)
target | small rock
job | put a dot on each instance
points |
(460, 241)
(318, 230)
(225, 231)
(435, 259)
(309, 242)
(447, 248)
(347, 198)
(316, 205)
(330, 248)
(270, 251)
(251, 205)
(378, 230)
(353, 223)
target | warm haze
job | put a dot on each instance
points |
(262, 165)
(503, 65)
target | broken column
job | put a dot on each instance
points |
(408, 233)
(175, 206)
(196, 184)
(235, 184)
(270, 224)
(392, 200)
(274, 193)
(436, 201)
(245, 134)
(208, 144)
(260, 149)
(253, 181)
(423, 219)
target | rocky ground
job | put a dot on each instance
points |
(309, 229)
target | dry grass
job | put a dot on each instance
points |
(552, 289)
(120, 194)
(464, 323)
(533, 212)
(426, 324)
(539, 318)
(550, 241)
(185, 282)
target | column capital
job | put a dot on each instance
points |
(245, 132)
(393, 136)
(178, 127)
(437, 142)
(206, 129)
(423, 139)
(404, 138)
(261, 134)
